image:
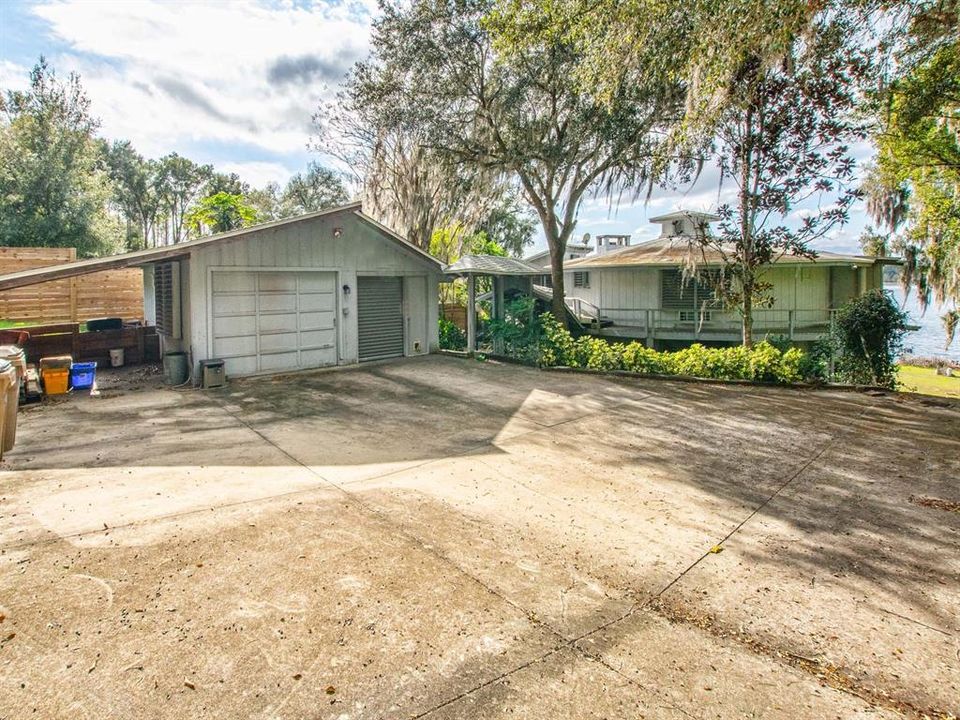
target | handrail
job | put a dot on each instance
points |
(578, 305)
(699, 321)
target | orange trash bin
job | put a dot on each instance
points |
(55, 374)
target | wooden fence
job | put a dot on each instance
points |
(457, 314)
(108, 293)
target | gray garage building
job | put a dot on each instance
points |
(329, 288)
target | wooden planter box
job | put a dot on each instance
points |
(140, 344)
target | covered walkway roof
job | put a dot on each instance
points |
(470, 266)
(490, 265)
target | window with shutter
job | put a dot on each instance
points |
(677, 294)
(581, 279)
(707, 287)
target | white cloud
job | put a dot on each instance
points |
(256, 173)
(598, 221)
(242, 79)
(244, 72)
(13, 76)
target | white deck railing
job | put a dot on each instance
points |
(583, 309)
(706, 321)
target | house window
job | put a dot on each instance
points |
(581, 279)
(692, 316)
(677, 293)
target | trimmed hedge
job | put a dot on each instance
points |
(762, 362)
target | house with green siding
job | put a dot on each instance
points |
(641, 291)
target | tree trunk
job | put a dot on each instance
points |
(557, 234)
(558, 305)
(747, 206)
(748, 315)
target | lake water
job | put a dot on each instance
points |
(930, 339)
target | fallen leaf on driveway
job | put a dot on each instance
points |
(716, 549)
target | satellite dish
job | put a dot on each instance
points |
(586, 238)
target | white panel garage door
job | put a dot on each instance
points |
(269, 321)
(379, 318)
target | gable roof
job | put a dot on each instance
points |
(183, 249)
(676, 250)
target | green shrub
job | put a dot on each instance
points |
(638, 358)
(519, 333)
(869, 337)
(763, 362)
(451, 336)
(556, 344)
(815, 363)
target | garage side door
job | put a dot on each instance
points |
(380, 317)
(272, 321)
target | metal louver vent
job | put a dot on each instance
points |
(166, 286)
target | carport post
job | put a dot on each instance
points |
(498, 309)
(471, 313)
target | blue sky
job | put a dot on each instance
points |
(235, 84)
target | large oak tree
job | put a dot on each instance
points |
(769, 93)
(519, 113)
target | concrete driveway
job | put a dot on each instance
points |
(442, 538)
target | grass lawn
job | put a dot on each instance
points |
(5, 324)
(13, 324)
(926, 382)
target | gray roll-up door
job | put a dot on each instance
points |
(380, 317)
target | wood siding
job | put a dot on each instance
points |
(802, 298)
(622, 293)
(623, 290)
(109, 293)
(357, 249)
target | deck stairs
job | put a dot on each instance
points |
(582, 312)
